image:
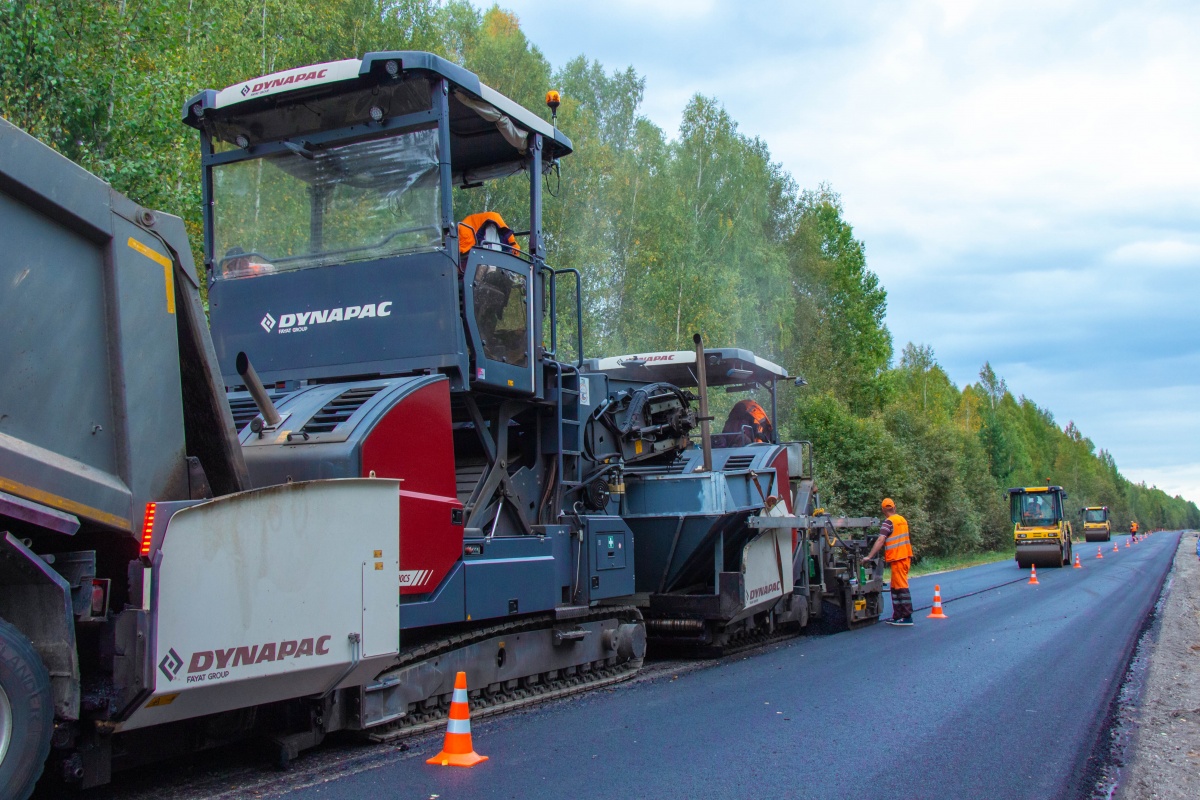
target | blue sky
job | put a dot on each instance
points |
(1024, 175)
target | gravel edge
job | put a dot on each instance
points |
(1164, 757)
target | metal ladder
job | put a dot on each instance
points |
(568, 425)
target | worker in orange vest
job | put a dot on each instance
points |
(749, 418)
(897, 551)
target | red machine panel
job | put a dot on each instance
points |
(783, 488)
(414, 442)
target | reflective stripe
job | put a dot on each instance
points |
(166, 264)
(892, 544)
(460, 696)
(458, 726)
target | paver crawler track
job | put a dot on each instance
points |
(515, 693)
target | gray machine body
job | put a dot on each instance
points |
(91, 330)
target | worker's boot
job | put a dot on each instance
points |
(902, 621)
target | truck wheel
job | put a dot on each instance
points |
(26, 713)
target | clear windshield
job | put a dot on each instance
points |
(501, 298)
(355, 202)
(1032, 510)
(1095, 515)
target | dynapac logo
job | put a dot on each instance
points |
(300, 320)
(647, 359)
(763, 591)
(170, 664)
(211, 665)
(275, 83)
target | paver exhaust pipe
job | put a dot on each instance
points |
(702, 388)
(254, 386)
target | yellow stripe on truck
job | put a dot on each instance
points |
(62, 503)
(168, 269)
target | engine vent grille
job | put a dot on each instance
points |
(339, 409)
(739, 462)
(244, 409)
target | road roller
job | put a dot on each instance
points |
(1041, 532)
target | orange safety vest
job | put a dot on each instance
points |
(470, 228)
(897, 547)
(748, 413)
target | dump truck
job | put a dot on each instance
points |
(371, 463)
(1096, 526)
(1041, 531)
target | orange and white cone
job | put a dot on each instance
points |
(457, 750)
(1033, 575)
(937, 612)
(1098, 553)
(1115, 548)
(1077, 564)
(1127, 543)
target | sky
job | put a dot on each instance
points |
(1025, 176)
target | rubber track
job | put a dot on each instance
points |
(484, 705)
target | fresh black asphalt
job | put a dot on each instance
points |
(1005, 699)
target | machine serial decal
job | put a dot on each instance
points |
(300, 320)
(415, 577)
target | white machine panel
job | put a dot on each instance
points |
(273, 594)
(767, 563)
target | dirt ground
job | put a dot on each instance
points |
(1164, 763)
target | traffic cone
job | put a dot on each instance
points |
(937, 612)
(1115, 550)
(1077, 564)
(457, 750)
(1033, 581)
(1098, 553)
(1127, 543)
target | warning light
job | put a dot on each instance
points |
(148, 528)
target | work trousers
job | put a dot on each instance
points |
(901, 598)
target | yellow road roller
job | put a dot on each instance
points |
(1041, 531)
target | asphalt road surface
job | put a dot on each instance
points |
(1006, 698)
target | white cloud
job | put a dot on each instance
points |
(1162, 253)
(1023, 175)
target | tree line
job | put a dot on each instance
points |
(674, 233)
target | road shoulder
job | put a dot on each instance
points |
(1164, 762)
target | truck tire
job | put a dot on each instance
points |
(26, 713)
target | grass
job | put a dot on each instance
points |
(962, 561)
(947, 563)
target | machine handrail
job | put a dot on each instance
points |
(578, 312)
